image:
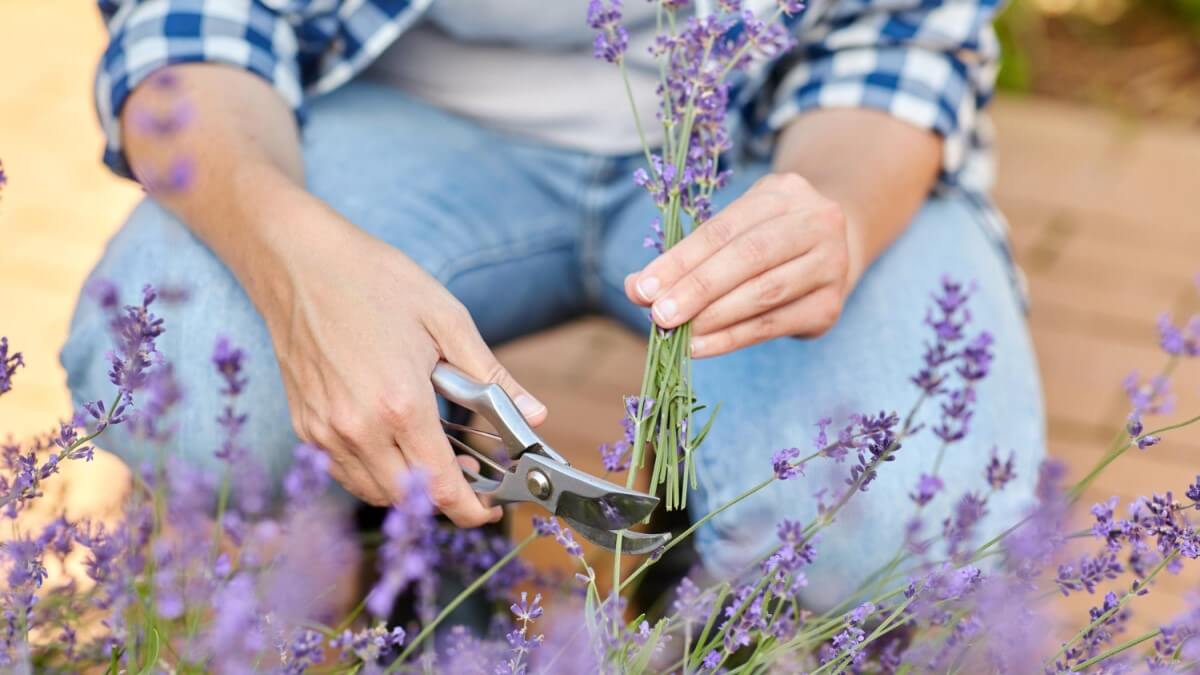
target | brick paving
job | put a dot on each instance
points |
(1103, 220)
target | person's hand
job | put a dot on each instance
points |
(775, 262)
(358, 328)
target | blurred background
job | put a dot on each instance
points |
(1099, 143)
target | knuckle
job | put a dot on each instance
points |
(318, 432)
(350, 426)
(770, 291)
(699, 285)
(793, 182)
(442, 491)
(718, 231)
(831, 216)
(397, 411)
(496, 373)
(754, 246)
(764, 328)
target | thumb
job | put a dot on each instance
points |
(462, 346)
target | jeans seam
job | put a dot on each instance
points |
(593, 203)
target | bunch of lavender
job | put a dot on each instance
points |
(696, 56)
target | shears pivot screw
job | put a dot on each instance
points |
(538, 483)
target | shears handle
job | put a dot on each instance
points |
(490, 401)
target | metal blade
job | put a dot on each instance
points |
(607, 511)
(632, 543)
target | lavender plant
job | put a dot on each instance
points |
(696, 56)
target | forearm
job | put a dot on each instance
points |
(878, 169)
(246, 198)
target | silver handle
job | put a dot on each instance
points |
(488, 400)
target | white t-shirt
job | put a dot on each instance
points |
(525, 67)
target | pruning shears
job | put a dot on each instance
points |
(592, 506)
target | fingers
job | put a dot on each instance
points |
(775, 287)
(663, 272)
(462, 346)
(346, 464)
(752, 253)
(810, 316)
(414, 420)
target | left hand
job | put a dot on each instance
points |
(775, 262)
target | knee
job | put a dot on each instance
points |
(203, 302)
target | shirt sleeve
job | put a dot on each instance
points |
(146, 35)
(930, 63)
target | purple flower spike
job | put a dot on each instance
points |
(408, 552)
(1153, 397)
(308, 476)
(927, 488)
(1148, 441)
(8, 364)
(550, 527)
(612, 39)
(1000, 473)
(784, 465)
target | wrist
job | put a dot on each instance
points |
(278, 234)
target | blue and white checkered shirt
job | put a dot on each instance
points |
(931, 63)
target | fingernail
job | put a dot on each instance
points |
(647, 288)
(697, 344)
(528, 405)
(665, 309)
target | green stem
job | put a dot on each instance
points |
(695, 526)
(1116, 608)
(1117, 650)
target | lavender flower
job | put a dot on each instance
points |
(1150, 398)
(8, 363)
(784, 465)
(519, 639)
(850, 639)
(408, 553)
(1000, 473)
(369, 644)
(958, 529)
(302, 651)
(612, 40)
(1092, 571)
(228, 361)
(308, 476)
(927, 488)
(134, 331)
(745, 615)
(1147, 441)
(550, 527)
(691, 605)
(1179, 341)
(876, 442)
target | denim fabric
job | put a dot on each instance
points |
(529, 236)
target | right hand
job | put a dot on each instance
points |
(358, 328)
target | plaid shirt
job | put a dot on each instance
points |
(931, 63)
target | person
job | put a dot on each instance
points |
(375, 185)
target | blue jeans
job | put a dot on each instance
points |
(529, 236)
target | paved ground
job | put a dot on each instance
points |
(1103, 223)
